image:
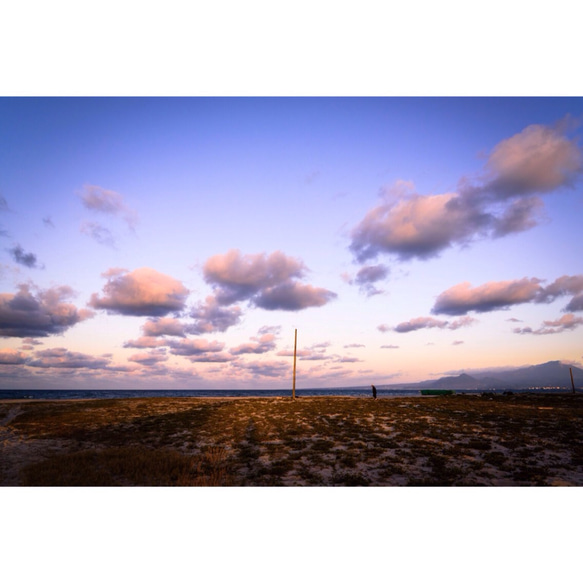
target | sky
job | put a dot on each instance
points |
(178, 242)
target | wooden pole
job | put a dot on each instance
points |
(295, 351)
(572, 382)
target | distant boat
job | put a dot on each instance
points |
(437, 392)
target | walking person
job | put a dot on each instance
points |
(374, 392)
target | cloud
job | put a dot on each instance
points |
(567, 285)
(98, 199)
(354, 346)
(428, 322)
(163, 327)
(152, 358)
(258, 345)
(293, 296)
(63, 358)
(367, 276)
(11, 356)
(210, 316)
(145, 342)
(45, 313)
(391, 346)
(271, 369)
(499, 295)
(142, 292)
(566, 322)
(98, 233)
(48, 222)
(539, 159)
(23, 258)
(314, 352)
(267, 281)
(199, 350)
(504, 200)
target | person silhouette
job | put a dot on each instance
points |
(374, 392)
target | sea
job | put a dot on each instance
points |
(58, 394)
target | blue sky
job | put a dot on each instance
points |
(178, 242)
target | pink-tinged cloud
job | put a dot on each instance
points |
(163, 327)
(390, 346)
(499, 295)
(194, 347)
(566, 322)
(142, 292)
(314, 352)
(64, 358)
(98, 199)
(145, 342)
(209, 316)
(539, 159)
(428, 322)
(267, 281)
(152, 358)
(416, 226)
(504, 200)
(270, 369)
(11, 356)
(258, 345)
(44, 313)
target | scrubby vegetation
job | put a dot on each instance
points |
(456, 440)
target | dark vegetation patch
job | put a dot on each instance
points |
(318, 441)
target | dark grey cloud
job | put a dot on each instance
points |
(293, 296)
(267, 281)
(142, 292)
(367, 276)
(44, 313)
(23, 258)
(504, 200)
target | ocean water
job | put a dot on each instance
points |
(136, 393)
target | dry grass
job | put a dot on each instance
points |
(315, 441)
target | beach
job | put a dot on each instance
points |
(456, 440)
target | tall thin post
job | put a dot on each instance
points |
(295, 351)
(572, 381)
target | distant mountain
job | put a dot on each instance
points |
(549, 374)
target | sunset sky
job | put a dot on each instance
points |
(178, 242)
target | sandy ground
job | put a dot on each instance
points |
(461, 440)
